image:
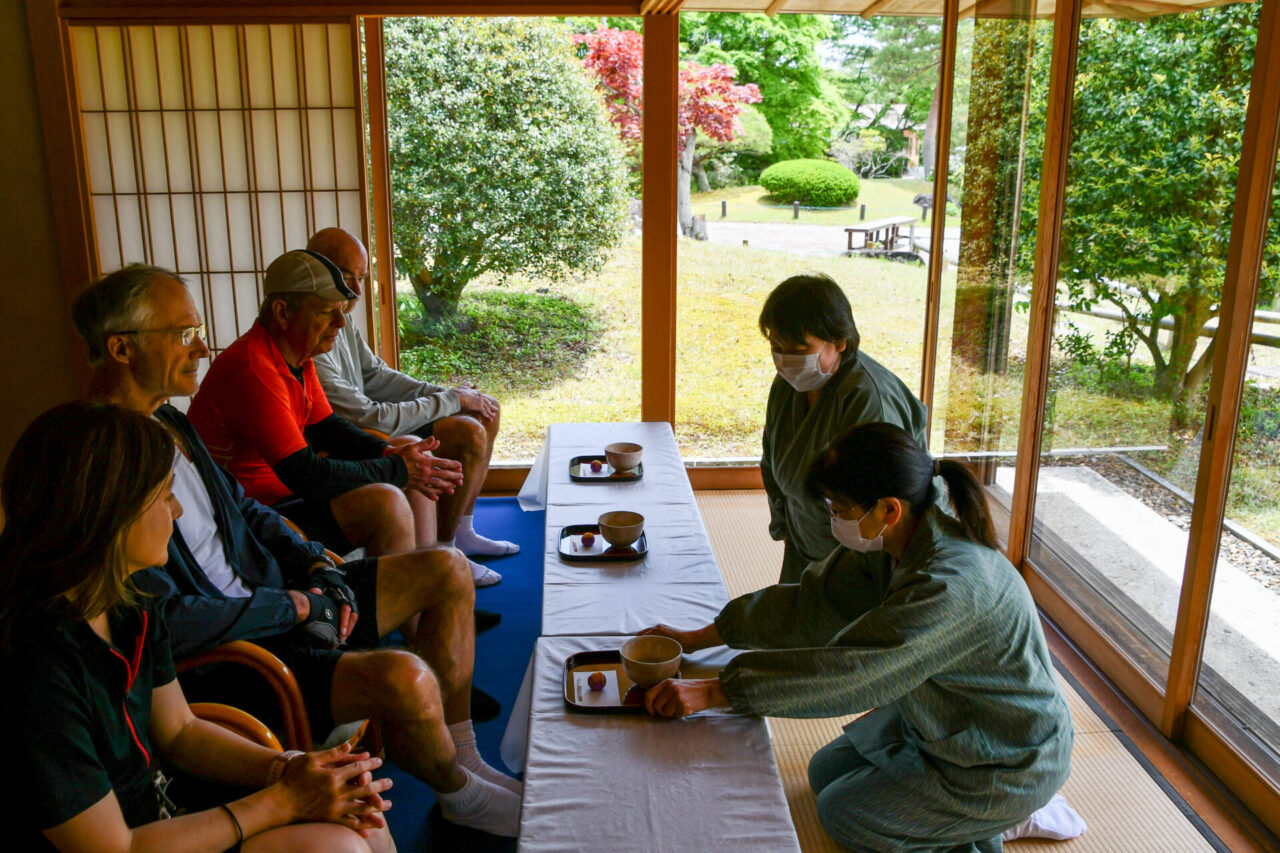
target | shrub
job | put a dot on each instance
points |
(818, 182)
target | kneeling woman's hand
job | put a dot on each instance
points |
(684, 696)
(336, 786)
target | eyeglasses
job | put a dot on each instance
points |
(186, 334)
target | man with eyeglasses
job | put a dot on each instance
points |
(366, 391)
(236, 571)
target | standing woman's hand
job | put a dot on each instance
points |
(336, 786)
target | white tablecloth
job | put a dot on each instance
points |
(664, 480)
(635, 783)
(631, 782)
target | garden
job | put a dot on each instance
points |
(516, 147)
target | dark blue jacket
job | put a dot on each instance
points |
(267, 555)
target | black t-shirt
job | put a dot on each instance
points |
(79, 714)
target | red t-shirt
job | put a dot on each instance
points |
(251, 410)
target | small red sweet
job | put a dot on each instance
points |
(595, 465)
(588, 539)
(596, 681)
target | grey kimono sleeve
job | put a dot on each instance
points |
(777, 502)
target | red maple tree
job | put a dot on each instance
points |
(709, 100)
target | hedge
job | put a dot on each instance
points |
(821, 183)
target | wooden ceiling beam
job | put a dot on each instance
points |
(876, 6)
(775, 6)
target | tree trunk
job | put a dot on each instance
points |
(1184, 382)
(700, 172)
(684, 200)
(439, 304)
(929, 148)
(989, 217)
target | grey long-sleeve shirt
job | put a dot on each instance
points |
(367, 391)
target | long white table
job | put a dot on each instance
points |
(632, 782)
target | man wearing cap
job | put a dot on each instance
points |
(264, 417)
(237, 572)
(366, 391)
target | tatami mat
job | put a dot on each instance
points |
(1125, 808)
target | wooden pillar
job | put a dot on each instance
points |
(659, 241)
(1226, 384)
(946, 85)
(68, 182)
(380, 168)
(1057, 146)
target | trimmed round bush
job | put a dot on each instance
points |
(821, 183)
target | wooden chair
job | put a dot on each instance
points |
(242, 723)
(293, 710)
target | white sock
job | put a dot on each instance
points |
(483, 575)
(481, 805)
(473, 544)
(464, 743)
(1056, 820)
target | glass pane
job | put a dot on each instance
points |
(515, 204)
(1156, 135)
(1241, 661)
(1002, 69)
(857, 94)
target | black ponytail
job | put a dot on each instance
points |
(969, 501)
(874, 461)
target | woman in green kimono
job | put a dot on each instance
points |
(824, 386)
(970, 734)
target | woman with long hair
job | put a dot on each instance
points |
(825, 384)
(970, 734)
(93, 703)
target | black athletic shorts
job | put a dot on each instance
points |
(314, 667)
(317, 522)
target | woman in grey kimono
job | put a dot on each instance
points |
(970, 734)
(824, 386)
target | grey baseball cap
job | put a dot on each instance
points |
(303, 271)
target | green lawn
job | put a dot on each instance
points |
(724, 370)
(883, 197)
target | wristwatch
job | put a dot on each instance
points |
(279, 763)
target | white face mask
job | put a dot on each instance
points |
(804, 372)
(849, 534)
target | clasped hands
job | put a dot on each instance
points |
(680, 697)
(336, 786)
(327, 608)
(428, 474)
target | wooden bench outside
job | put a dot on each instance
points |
(883, 231)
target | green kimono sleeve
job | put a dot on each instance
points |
(831, 593)
(919, 630)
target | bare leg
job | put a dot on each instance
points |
(435, 586)
(470, 441)
(376, 517)
(398, 689)
(422, 507)
(317, 836)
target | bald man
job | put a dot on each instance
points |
(366, 391)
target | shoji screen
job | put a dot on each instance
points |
(212, 149)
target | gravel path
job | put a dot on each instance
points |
(801, 239)
(1258, 564)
